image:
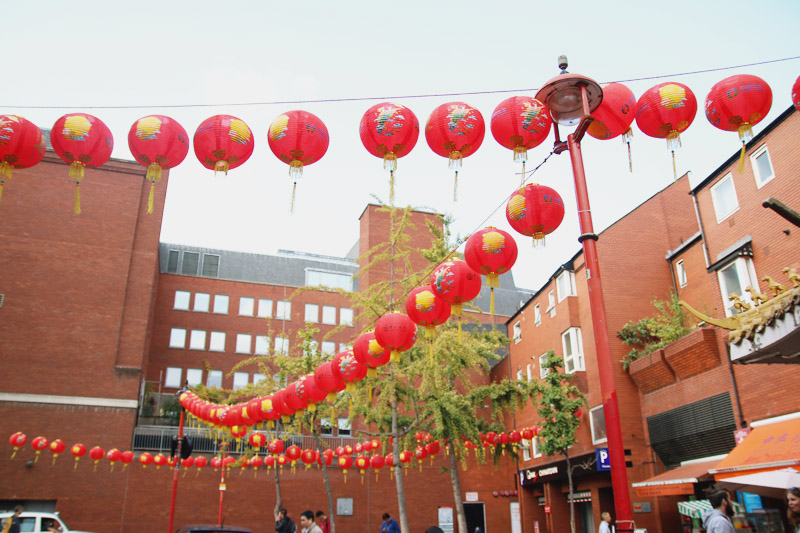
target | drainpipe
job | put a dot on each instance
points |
(702, 231)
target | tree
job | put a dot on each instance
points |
(559, 406)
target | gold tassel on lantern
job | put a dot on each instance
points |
(626, 138)
(673, 142)
(76, 171)
(153, 172)
(294, 193)
(455, 163)
(745, 134)
(221, 166)
(6, 169)
(151, 197)
(521, 154)
(1, 188)
(391, 187)
(296, 169)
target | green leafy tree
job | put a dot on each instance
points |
(649, 334)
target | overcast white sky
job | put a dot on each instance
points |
(84, 54)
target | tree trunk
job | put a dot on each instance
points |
(320, 449)
(278, 501)
(571, 501)
(401, 493)
(460, 516)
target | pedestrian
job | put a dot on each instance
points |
(717, 519)
(323, 522)
(605, 522)
(434, 529)
(284, 524)
(389, 524)
(307, 522)
(12, 523)
(793, 504)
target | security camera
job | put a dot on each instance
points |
(562, 62)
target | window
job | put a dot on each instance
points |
(551, 304)
(201, 301)
(543, 370)
(565, 283)
(284, 310)
(217, 341)
(325, 426)
(312, 348)
(240, 379)
(734, 279)
(197, 340)
(312, 313)
(182, 300)
(597, 418)
(517, 327)
(177, 338)
(214, 378)
(573, 350)
(723, 196)
(221, 304)
(258, 378)
(282, 345)
(172, 378)
(328, 314)
(536, 451)
(194, 376)
(262, 345)
(210, 266)
(344, 426)
(530, 371)
(264, 308)
(526, 450)
(333, 280)
(680, 272)
(762, 166)
(519, 374)
(537, 315)
(243, 341)
(346, 316)
(172, 261)
(328, 348)
(246, 306)
(191, 260)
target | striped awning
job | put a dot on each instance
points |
(696, 508)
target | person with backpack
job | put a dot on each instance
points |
(284, 524)
(12, 523)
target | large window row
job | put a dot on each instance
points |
(174, 378)
(191, 264)
(244, 342)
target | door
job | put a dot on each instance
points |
(475, 516)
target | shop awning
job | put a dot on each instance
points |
(696, 508)
(679, 480)
(769, 447)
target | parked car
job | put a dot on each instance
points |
(213, 529)
(38, 522)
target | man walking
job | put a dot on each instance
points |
(284, 524)
(389, 524)
(717, 519)
(12, 523)
(307, 522)
(323, 522)
(605, 522)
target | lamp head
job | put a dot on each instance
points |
(563, 96)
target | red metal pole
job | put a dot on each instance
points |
(221, 481)
(608, 388)
(177, 457)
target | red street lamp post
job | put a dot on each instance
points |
(571, 98)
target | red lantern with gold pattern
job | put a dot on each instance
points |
(309, 457)
(77, 451)
(456, 282)
(396, 332)
(81, 140)
(22, 145)
(614, 116)
(159, 460)
(16, 440)
(491, 252)
(737, 103)
(275, 446)
(291, 398)
(665, 111)
(257, 440)
(369, 352)
(200, 462)
(157, 142)
(307, 390)
(425, 308)
(38, 444)
(389, 131)
(346, 367)
(455, 130)
(126, 458)
(535, 211)
(56, 447)
(223, 142)
(520, 123)
(96, 454)
(327, 381)
(113, 456)
(145, 459)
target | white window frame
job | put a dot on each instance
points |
(258, 378)
(519, 374)
(221, 302)
(240, 379)
(328, 348)
(756, 171)
(241, 339)
(262, 345)
(329, 315)
(536, 451)
(214, 378)
(202, 300)
(537, 315)
(551, 303)
(346, 316)
(216, 342)
(517, 331)
(543, 370)
(565, 284)
(325, 426)
(177, 338)
(575, 359)
(247, 306)
(715, 198)
(595, 438)
(282, 345)
(172, 377)
(194, 376)
(311, 313)
(197, 339)
(680, 273)
(283, 310)
(264, 308)
(746, 273)
(526, 449)
(180, 298)
(344, 427)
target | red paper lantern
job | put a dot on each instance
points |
(145, 459)
(38, 444)
(520, 123)
(614, 116)
(77, 451)
(796, 93)
(396, 332)
(238, 432)
(455, 130)
(432, 447)
(307, 390)
(159, 460)
(377, 462)
(665, 111)
(228, 462)
(56, 447)
(82, 141)
(257, 440)
(157, 142)
(188, 462)
(200, 462)
(275, 446)
(256, 461)
(96, 454)
(737, 103)
(389, 131)
(345, 462)
(113, 456)
(223, 142)
(309, 457)
(293, 453)
(16, 440)
(327, 381)
(420, 453)
(269, 461)
(425, 308)
(327, 457)
(291, 398)
(22, 145)
(491, 252)
(346, 367)
(369, 352)
(216, 463)
(456, 282)
(535, 211)
(268, 409)
(251, 412)
(279, 403)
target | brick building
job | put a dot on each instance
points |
(682, 402)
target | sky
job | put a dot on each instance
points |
(240, 58)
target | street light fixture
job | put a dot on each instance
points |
(571, 98)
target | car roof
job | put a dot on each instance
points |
(205, 528)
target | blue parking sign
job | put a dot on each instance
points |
(603, 459)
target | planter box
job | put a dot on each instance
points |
(651, 372)
(693, 354)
